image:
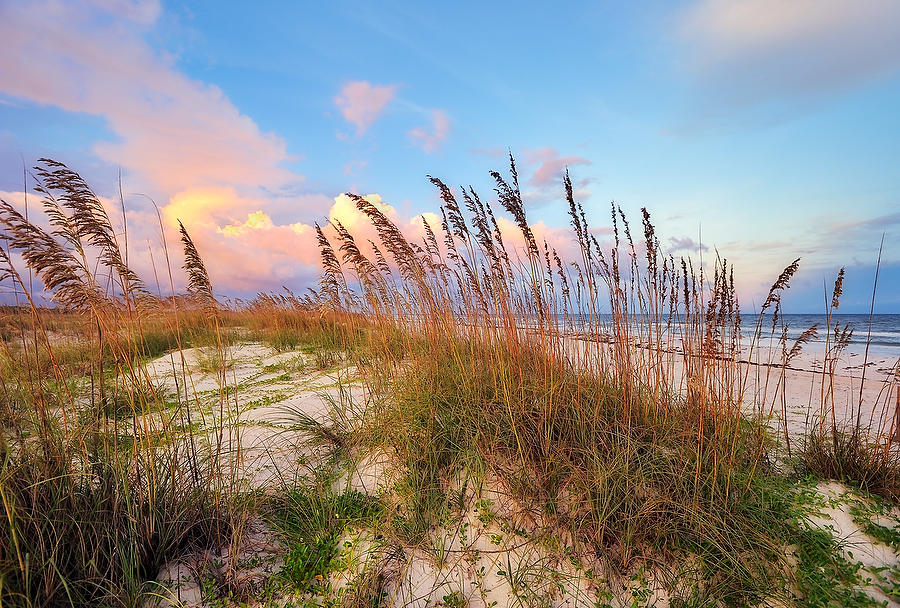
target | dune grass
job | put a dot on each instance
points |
(604, 392)
(92, 505)
(638, 442)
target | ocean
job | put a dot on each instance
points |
(882, 335)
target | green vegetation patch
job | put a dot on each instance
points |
(311, 520)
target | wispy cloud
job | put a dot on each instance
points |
(140, 11)
(354, 165)
(431, 141)
(547, 167)
(762, 51)
(878, 223)
(174, 132)
(361, 103)
(686, 244)
(551, 166)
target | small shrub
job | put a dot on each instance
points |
(847, 456)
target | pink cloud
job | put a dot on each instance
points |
(355, 165)
(550, 165)
(140, 11)
(256, 253)
(361, 103)
(431, 141)
(174, 132)
(180, 139)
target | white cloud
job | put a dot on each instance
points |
(431, 141)
(361, 103)
(139, 11)
(756, 51)
(174, 132)
(184, 140)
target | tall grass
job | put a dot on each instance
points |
(606, 392)
(97, 489)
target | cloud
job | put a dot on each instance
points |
(354, 165)
(686, 244)
(254, 252)
(831, 240)
(860, 239)
(182, 140)
(431, 141)
(878, 223)
(747, 52)
(361, 103)
(257, 254)
(208, 206)
(551, 166)
(547, 168)
(244, 248)
(174, 132)
(140, 11)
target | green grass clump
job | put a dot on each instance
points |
(96, 536)
(624, 480)
(311, 521)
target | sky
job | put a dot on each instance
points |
(757, 130)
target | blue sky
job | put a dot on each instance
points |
(760, 129)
